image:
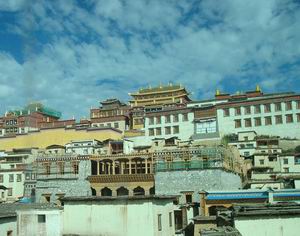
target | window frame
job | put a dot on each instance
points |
(247, 110)
(238, 121)
(248, 122)
(256, 123)
(19, 177)
(159, 223)
(176, 129)
(226, 112)
(267, 108)
(268, 120)
(291, 120)
(278, 106)
(11, 178)
(278, 119)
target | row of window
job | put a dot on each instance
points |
(11, 178)
(267, 120)
(206, 127)
(108, 113)
(11, 122)
(61, 168)
(11, 130)
(168, 118)
(267, 108)
(168, 130)
(30, 186)
(29, 176)
(115, 125)
(285, 161)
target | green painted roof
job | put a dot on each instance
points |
(37, 107)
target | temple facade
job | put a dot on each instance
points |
(117, 175)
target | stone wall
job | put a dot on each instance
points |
(69, 184)
(173, 182)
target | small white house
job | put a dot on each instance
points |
(8, 225)
(39, 220)
(136, 215)
(84, 147)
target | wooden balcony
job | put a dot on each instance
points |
(121, 178)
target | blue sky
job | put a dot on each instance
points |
(72, 54)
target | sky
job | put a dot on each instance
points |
(72, 54)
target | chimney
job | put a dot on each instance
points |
(270, 195)
(202, 195)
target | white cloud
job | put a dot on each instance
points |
(122, 45)
(12, 5)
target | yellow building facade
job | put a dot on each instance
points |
(161, 95)
(60, 136)
(155, 98)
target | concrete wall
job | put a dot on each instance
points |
(288, 226)
(173, 182)
(118, 217)
(8, 224)
(28, 224)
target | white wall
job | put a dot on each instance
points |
(268, 227)
(84, 147)
(186, 128)
(292, 167)
(128, 146)
(8, 224)
(266, 186)
(139, 141)
(17, 187)
(116, 217)
(28, 224)
(273, 164)
(227, 123)
(297, 184)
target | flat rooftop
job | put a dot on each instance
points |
(277, 209)
(115, 198)
(9, 209)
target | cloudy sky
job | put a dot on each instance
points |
(71, 54)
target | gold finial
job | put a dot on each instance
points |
(257, 88)
(160, 86)
(218, 92)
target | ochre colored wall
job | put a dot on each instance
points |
(58, 136)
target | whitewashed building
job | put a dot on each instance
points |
(137, 215)
(168, 123)
(266, 114)
(270, 114)
(84, 147)
(39, 220)
(246, 143)
(12, 167)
